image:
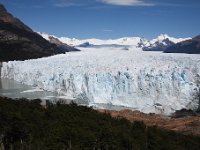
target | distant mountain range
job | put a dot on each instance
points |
(19, 42)
(163, 43)
(126, 41)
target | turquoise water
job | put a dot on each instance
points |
(13, 89)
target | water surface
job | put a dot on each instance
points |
(13, 89)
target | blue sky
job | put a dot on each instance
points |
(109, 18)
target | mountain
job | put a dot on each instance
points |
(161, 43)
(19, 42)
(191, 46)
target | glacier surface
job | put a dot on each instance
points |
(146, 81)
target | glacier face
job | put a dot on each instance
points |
(146, 81)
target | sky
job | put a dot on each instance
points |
(109, 19)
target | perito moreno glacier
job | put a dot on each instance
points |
(147, 81)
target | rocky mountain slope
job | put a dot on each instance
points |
(191, 46)
(55, 40)
(19, 42)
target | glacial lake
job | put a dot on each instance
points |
(13, 89)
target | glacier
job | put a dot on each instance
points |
(151, 82)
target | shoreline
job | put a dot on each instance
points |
(186, 125)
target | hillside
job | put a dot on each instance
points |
(28, 125)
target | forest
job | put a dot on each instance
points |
(28, 125)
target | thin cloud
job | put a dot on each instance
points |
(99, 7)
(127, 2)
(67, 3)
(107, 30)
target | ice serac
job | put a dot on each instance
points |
(147, 81)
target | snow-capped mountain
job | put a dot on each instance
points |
(163, 37)
(191, 46)
(159, 44)
(147, 81)
(130, 41)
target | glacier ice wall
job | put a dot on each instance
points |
(146, 81)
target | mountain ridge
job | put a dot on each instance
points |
(6, 17)
(191, 46)
(19, 42)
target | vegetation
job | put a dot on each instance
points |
(26, 125)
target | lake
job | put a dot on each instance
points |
(13, 89)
